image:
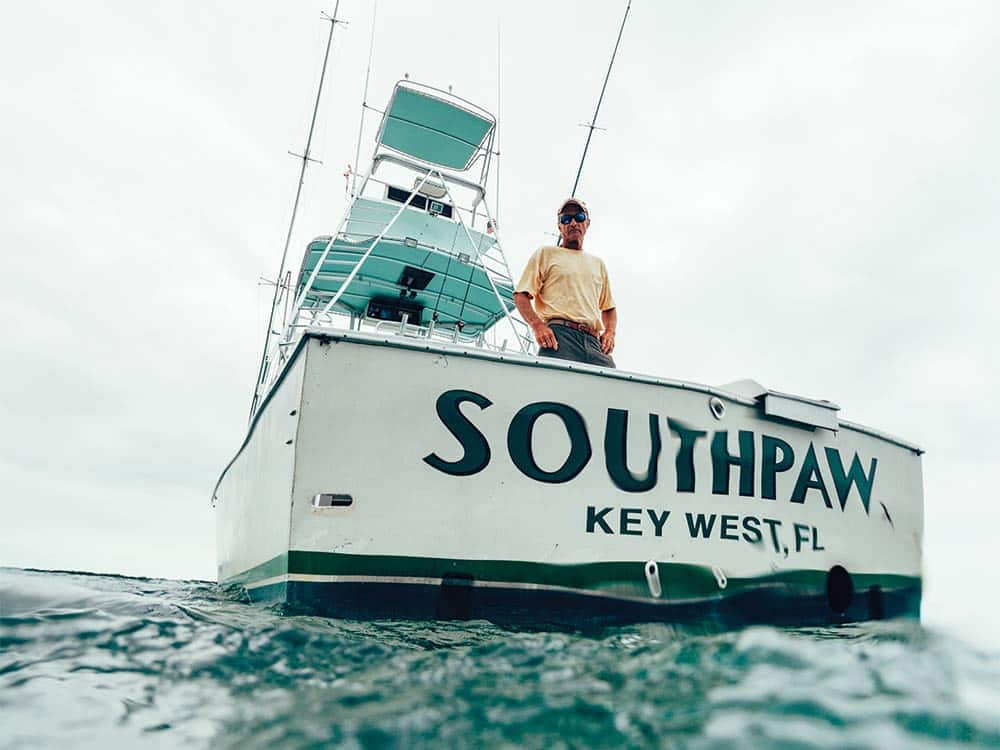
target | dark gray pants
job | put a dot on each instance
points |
(577, 346)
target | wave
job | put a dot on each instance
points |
(89, 659)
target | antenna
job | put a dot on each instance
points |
(496, 198)
(593, 123)
(278, 286)
(364, 100)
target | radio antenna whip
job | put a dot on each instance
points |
(496, 199)
(593, 123)
(364, 100)
(279, 286)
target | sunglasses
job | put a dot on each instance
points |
(580, 217)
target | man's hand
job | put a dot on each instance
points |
(608, 341)
(544, 336)
(610, 320)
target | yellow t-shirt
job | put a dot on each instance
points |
(568, 284)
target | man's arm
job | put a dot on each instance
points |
(543, 334)
(610, 320)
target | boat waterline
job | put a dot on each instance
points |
(364, 586)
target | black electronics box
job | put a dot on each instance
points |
(393, 308)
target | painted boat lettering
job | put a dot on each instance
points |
(610, 520)
(750, 454)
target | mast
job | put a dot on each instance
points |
(593, 123)
(279, 284)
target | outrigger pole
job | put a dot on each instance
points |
(278, 284)
(592, 125)
(364, 103)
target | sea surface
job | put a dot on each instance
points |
(92, 661)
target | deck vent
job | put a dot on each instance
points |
(332, 500)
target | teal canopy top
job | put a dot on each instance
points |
(409, 251)
(433, 130)
(457, 262)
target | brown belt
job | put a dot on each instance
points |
(574, 325)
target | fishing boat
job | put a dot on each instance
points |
(409, 455)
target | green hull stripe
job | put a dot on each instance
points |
(678, 580)
(276, 566)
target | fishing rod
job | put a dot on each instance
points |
(592, 125)
(279, 285)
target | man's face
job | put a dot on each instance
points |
(574, 231)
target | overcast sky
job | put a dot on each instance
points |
(798, 193)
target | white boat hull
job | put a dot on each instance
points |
(513, 488)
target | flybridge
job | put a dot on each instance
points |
(422, 261)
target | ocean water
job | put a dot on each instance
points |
(106, 661)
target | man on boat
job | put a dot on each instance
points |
(573, 316)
